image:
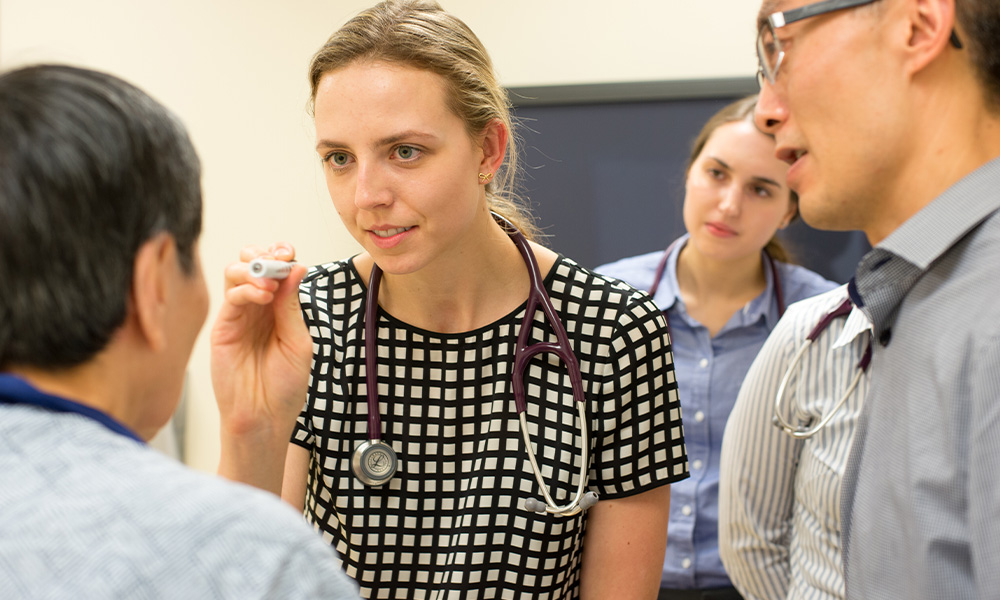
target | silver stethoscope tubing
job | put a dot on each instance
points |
(801, 432)
(374, 462)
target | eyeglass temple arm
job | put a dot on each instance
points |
(780, 19)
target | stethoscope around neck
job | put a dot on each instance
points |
(661, 268)
(374, 462)
(801, 432)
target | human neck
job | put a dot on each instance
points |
(951, 137)
(473, 286)
(89, 384)
(713, 290)
(705, 278)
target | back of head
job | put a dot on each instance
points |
(90, 168)
(979, 22)
(422, 35)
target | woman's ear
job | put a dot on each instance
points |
(494, 146)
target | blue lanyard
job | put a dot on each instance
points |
(14, 390)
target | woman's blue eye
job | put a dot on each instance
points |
(338, 158)
(407, 152)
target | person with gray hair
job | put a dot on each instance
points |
(100, 214)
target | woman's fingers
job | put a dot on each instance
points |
(238, 273)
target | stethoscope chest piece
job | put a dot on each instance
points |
(374, 462)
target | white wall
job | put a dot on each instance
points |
(234, 70)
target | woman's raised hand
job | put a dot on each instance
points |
(261, 354)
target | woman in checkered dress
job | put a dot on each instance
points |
(416, 141)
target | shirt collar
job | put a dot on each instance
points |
(856, 325)
(763, 306)
(930, 232)
(887, 273)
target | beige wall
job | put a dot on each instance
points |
(234, 70)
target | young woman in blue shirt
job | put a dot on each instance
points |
(723, 286)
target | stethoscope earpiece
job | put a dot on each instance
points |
(586, 501)
(374, 462)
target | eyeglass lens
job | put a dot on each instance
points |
(769, 53)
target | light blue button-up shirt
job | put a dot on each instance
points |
(709, 373)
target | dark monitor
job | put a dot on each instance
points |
(604, 169)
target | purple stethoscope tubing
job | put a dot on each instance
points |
(523, 353)
(371, 373)
(374, 462)
(661, 268)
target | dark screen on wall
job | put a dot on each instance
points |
(606, 178)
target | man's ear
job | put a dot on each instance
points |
(494, 146)
(151, 280)
(931, 23)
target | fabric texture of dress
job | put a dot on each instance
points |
(451, 523)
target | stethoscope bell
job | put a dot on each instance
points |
(374, 462)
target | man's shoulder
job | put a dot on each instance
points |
(966, 273)
(130, 521)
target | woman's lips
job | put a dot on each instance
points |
(720, 230)
(389, 236)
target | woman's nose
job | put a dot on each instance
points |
(732, 199)
(371, 189)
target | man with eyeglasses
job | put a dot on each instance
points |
(889, 115)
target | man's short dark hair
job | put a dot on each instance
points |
(91, 167)
(979, 21)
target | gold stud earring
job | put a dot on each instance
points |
(485, 177)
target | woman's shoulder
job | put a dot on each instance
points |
(637, 271)
(331, 274)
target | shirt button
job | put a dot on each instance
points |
(699, 416)
(686, 510)
(703, 363)
(697, 464)
(686, 563)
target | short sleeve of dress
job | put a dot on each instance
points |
(639, 441)
(303, 434)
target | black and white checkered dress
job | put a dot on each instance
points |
(451, 523)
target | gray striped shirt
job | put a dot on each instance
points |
(921, 503)
(779, 498)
